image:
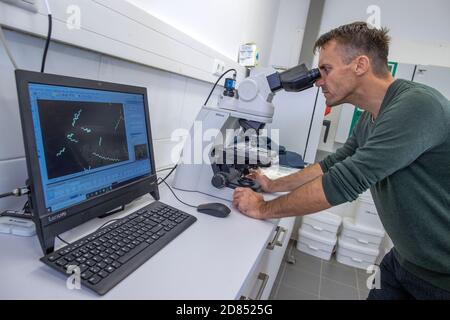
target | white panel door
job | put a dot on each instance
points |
(345, 121)
(293, 116)
(434, 76)
(405, 71)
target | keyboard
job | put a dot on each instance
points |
(108, 255)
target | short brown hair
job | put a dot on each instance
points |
(359, 38)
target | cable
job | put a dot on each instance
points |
(62, 240)
(103, 225)
(26, 207)
(172, 170)
(189, 205)
(49, 36)
(16, 214)
(165, 169)
(5, 45)
(215, 84)
(16, 192)
(4, 195)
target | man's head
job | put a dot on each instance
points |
(349, 55)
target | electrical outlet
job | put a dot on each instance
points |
(218, 68)
(29, 5)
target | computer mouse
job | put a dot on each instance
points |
(214, 209)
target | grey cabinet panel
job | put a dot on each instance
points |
(434, 76)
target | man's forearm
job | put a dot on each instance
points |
(295, 180)
(306, 199)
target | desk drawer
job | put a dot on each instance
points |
(263, 277)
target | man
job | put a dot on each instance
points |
(400, 149)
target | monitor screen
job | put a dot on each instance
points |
(88, 141)
(88, 148)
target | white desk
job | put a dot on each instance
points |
(210, 260)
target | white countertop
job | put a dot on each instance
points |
(209, 260)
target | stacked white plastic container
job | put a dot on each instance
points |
(360, 239)
(317, 235)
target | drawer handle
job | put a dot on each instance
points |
(264, 278)
(357, 260)
(317, 228)
(362, 241)
(280, 242)
(312, 248)
(276, 242)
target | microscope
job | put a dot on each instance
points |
(227, 141)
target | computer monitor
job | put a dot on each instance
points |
(88, 148)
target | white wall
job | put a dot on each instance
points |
(419, 29)
(289, 31)
(223, 25)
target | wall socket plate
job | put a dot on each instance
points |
(218, 67)
(29, 5)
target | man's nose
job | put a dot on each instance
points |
(320, 82)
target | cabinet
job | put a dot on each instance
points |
(261, 279)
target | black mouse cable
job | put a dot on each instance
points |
(190, 205)
(168, 175)
(64, 241)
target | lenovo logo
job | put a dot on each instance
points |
(57, 216)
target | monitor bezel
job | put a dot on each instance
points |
(48, 226)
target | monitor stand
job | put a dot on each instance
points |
(154, 194)
(113, 211)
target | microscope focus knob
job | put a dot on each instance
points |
(219, 180)
(248, 90)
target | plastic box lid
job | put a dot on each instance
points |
(349, 224)
(305, 234)
(366, 196)
(363, 250)
(325, 217)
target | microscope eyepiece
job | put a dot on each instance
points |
(295, 79)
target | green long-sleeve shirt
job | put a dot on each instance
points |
(404, 158)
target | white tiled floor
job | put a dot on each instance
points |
(311, 278)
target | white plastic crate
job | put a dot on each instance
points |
(315, 245)
(323, 224)
(355, 256)
(367, 195)
(366, 214)
(361, 235)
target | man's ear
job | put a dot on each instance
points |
(362, 65)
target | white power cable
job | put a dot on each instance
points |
(48, 7)
(5, 45)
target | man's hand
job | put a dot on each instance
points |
(263, 180)
(249, 202)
